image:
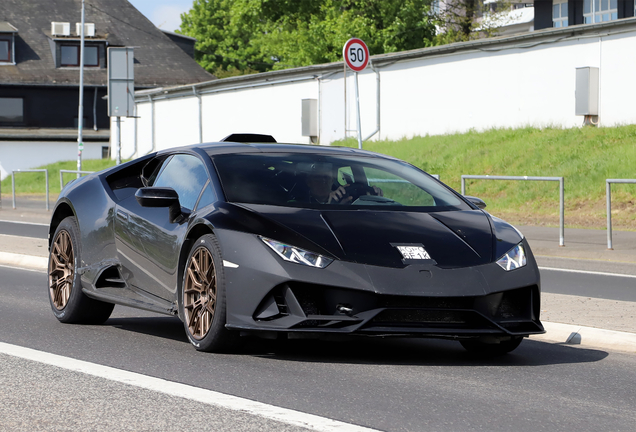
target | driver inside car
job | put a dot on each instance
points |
(322, 190)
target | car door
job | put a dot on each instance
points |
(151, 252)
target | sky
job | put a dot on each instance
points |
(165, 14)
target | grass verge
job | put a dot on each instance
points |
(27, 183)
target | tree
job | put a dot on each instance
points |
(464, 20)
(243, 36)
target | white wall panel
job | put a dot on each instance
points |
(273, 110)
(530, 85)
(617, 83)
(176, 122)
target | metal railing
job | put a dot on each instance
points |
(46, 176)
(71, 172)
(608, 197)
(527, 178)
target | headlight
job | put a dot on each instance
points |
(513, 259)
(296, 255)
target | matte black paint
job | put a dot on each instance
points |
(135, 255)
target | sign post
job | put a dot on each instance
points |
(121, 88)
(356, 56)
(80, 108)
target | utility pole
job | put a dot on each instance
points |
(80, 114)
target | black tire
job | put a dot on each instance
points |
(491, 349)
(202, 300)
(68, 303)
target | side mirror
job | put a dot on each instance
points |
(160, 197)
(156, 197)
(477, 201)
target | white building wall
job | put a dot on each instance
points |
(176, 122)
(532, 84)
(617, 89)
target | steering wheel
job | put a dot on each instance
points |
(357, 189)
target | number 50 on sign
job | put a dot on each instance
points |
(356, 54)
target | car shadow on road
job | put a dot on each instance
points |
(424, 352)
(382, 351)
(166, 327)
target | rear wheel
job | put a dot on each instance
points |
(68, 303)
(490, 349)
(203, 306)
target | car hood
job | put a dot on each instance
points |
(452, 238)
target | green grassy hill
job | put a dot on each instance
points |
(34, 183)
(584, 156)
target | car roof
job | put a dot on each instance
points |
(228, 147)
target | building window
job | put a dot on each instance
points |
(5, 50)
(604, 10)
(70, 55)
(11, 110)
(560, 13)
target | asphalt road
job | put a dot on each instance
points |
(24, 230)
(589, 285)
(396, 385)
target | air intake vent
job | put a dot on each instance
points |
(60, 28)
(89, 29)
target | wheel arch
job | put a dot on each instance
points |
(62, 211)
(197, 231)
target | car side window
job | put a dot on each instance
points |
(187, 175)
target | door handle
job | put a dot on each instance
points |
(122, 215)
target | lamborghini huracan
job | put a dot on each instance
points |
(247, 236)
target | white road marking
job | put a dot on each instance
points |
(23, 261)
(587, 272)
(23, 268)
(25, 223)
(288, 416)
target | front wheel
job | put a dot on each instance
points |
(491, 349)
(68, 302)
(202, 297)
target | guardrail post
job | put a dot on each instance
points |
(13, 186)
(608, 195)
(608, 199)
(46, 177)
(526, 178)
(561, 212)
(46, 173)
(78, 172)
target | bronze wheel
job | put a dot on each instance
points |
(199, 293)
(68, 301)
(61, 270)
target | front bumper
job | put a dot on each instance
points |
(266, 294)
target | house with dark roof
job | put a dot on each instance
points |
(565, 13)
(39, 71)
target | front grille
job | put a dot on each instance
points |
(426, 302)
(430, 319)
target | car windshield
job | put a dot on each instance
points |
(330, 181)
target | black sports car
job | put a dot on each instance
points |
(244, 236)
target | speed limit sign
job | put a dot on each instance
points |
(356, 54)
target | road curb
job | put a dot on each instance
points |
(587, 337)
(24, 261)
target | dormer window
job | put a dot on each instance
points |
(5, 49)
(70, 55)
(7, 43)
